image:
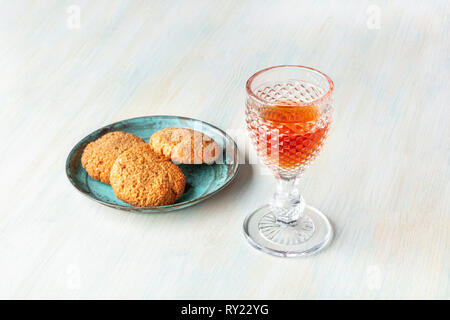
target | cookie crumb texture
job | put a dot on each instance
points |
(185, 146)
(142, 178)
(99, 156)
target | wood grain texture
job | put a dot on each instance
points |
(382, 178)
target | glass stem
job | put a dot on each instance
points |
(287, 204)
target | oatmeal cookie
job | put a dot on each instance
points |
(185, 146)
(99, 156)
(142, 178)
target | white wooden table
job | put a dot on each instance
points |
(69, 67)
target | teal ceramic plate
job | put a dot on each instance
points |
(202, 181)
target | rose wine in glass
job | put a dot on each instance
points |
(288, 115)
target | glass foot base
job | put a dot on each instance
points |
(311, 233)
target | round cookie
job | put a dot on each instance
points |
(177, 179)
(143, 179)
(185, 146)
(99, 156)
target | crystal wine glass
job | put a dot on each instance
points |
(288, 115)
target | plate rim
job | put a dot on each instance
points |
(165, 208)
